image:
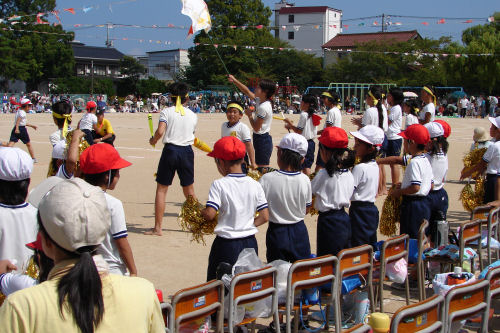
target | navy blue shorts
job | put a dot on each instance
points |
(88, 136)
(414, 210)
(288, 242)
(333, 232)
(393, 147)
(438, 202)
(176, 158)
(309, 158)
(22, 135)
(364, 223)
(383, 148)
(489, 188)
(227, 250)
(263, 146)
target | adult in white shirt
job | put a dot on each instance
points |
(428, 112)
(261, 119)
(464, 104)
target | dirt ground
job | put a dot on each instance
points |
(172, 261)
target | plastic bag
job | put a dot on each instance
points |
(240, 311)
(281, 278)
(483, 273)
(397, 271)
(247, 261)
(440, 286)
(357, 305)
(494, 244)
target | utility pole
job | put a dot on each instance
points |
(108, 42)
(383, 22)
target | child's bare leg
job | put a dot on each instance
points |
(189, 191)
(30, 150)
(395, 173)
(382, 188)
(161, 193)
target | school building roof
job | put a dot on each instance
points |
(306, 10)
(83, 51)
(344, 41)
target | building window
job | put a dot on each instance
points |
(291, 18)
(291, 35)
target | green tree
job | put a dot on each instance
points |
(206, 68)
(477, 74)
(150, 85)
(25, 7)
(131, 69)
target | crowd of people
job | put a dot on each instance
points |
(76, 232)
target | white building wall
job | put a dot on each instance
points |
(305, 34)
(164, 65)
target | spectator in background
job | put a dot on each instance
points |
(464, 104)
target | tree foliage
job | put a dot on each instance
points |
(82, 85)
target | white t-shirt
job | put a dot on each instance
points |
(57, 136)
(366, 177)
(309, 131)
(118, 229)
(22, 115)
(236, 197)
(334, 117)
(332, 192)
(418, 172)
(370, 117)
(180, 128)
(18, 226)
(429, 108)
(464, 102)
(481, 145)
(238, 130)
(288, 195)
(410, 120)
(439, 164)
(88, 121)
(264, 111)
(63, 173)
(396, 118)
(492, 157)
(11, 282)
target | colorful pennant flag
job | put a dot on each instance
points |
(70, 10)
(197, 10)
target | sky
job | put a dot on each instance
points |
(138, 41)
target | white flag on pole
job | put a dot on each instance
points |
(197, 10)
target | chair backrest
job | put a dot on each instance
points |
(465, 301)
(469, 231)
(253, 286)
(423, 241)
(425, 316)
(480, 213)
(394, 249)
(166, 311)
(310, 273)
(493, 276)
(198, 302)
(354, 261)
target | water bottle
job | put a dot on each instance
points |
(441, 236)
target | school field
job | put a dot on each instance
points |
(172, 261)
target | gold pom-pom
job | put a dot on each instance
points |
(391, 211)
(312, 210)
(2, 298)
(472, 198)
(471, 159)
(191, 220)
(32, 269)
(254, 174)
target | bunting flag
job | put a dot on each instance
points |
(491, 19)
(441, 21)
(425, 23)
(70, 10)
(468, 21)
(87, 9)
(197, 10)
(39, 19)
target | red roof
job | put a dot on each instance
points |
(305, 10)
(350, 40)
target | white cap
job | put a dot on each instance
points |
(25, 101)
(370, 134)
(435, 129)
(58, 150)
(75, 214)
(294, 142)
(15, 164)
(36, 194)
(495, 121)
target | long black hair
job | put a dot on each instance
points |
(370, 156)
(80, 287)
(397, 96)
(178, 89)
(14, 192)
(377, 94)
(340, 159)
(335, 99)
(439, 144)
(44, 263)
(268, 87)
(412, 104)
(312, 101)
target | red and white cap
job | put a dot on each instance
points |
(294, 142)
(446, 127)
(229, 148)
(100, 158)
(417, 133)
(371, 134)
(25, 101)
(90, 105)
(495, 121)
(435, 129)
(334, 137)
